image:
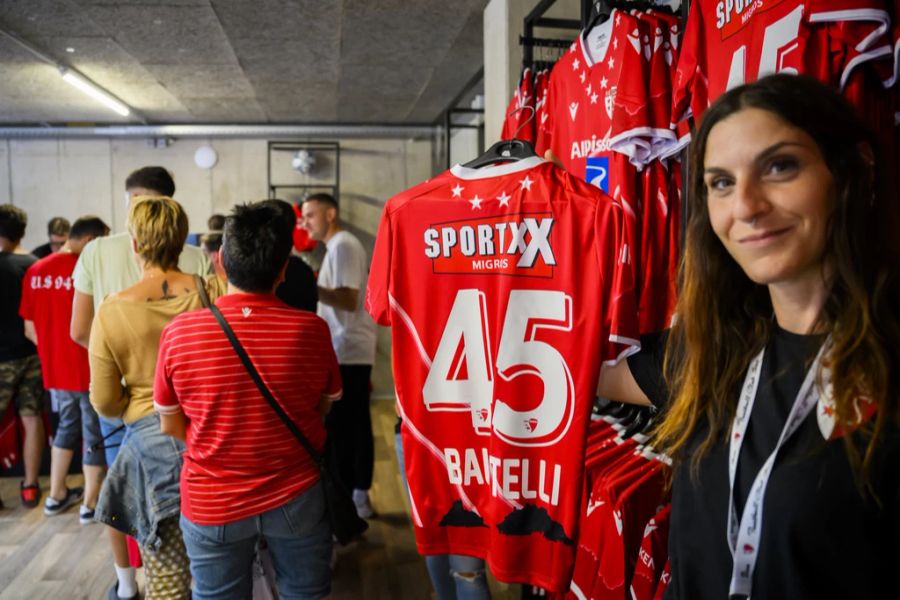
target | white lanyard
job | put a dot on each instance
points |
(743, 535)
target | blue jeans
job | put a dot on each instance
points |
(454, 576)
(299, 540)
(107, 426)
(78, 424)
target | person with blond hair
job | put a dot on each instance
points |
(141, 493)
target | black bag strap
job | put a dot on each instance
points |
(201, 289)
(264, 389)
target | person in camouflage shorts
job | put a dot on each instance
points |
(20, 368)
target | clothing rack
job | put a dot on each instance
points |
(536, 18)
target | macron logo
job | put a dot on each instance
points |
(573, 110)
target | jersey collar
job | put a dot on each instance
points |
(513, 167)
(241, 299)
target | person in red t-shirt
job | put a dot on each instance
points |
(244, 473)
(46, 308)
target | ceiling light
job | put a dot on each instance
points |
(94, 91)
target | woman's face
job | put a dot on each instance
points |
(769, 196)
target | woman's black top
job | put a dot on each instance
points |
(820, 537)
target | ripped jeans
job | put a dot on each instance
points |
(459, 577)
(454, 576)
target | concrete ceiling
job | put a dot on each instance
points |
(240, 61)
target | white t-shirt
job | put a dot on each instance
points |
(352, 333)
(107, 265)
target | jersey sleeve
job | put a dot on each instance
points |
(164, 399)
(83, 277)
(688, 88)
(544, 117)
(631, 132)
(620, 308)
(378, 292)
(26, 304)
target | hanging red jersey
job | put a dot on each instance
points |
(728, 43)
(653, 555)
(506, 288)
(519, 121)
(597, 101)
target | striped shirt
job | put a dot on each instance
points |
(241, 460)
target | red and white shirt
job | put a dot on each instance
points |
(241, 460)
(47, 293)
(727, 44)
(653, 556)
(507, 287)
(597, 100)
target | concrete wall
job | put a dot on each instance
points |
(503, 24)
(71, 178)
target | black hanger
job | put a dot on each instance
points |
(640, 423)
(512, 150)
(600, 12)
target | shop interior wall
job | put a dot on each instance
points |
(69, 178)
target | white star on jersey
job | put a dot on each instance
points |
(611, 63)
(526, 183)
(503, 198)
(575, 64)
(475, 202)
(603, 83)
(589, 89)
(593, 98)
(582, 76)
(457, 191)
(616, 40)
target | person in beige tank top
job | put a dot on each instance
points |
(140, 495)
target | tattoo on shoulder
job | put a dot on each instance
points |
(165, 289)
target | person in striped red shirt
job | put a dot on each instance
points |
(244, 474)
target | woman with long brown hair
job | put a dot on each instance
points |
(778, 382)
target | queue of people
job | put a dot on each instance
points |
(85, 323)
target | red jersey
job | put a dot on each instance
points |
(506, 288)
(240, 459)
(659, 244)
(597, 101)
(520, 113)
(47, 293)
(652, 557)
(728, 43)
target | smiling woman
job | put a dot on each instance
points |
(777, 381)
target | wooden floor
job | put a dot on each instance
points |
(56, 557)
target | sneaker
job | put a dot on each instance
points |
(31, 494)
(85, 515)
(113, 593)
(54, 507)
(363, 505)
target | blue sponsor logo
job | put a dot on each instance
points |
(597, 172)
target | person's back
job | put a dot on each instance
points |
(47, 309)
(243, 467)
(20, 368)
(13, 343)
(130, 323)
(107, 265)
